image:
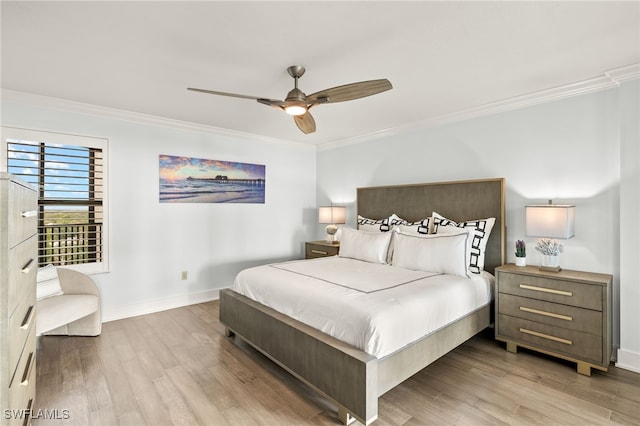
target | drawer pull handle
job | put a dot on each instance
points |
(319, 252)
(26, 268)
(28, 413)
(546, 290)
(29, 213)
(546, 336)
(547, 314)
(26, 322)
(27, 370)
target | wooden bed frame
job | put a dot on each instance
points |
(348, 376)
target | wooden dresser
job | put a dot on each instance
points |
(18, 268)
(313, 249)
(566, 314)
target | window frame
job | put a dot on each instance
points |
(50, 137)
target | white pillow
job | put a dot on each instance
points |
(362, 245)
(483, 229)
(47, 282)
(444, 253)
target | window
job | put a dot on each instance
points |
(69, 173)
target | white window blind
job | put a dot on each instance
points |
(69, 173)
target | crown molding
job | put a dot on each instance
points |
(608, 80)
(630, 72)
(136, 117)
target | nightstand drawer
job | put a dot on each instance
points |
(552, 290)
(570, 317)
(556, 339)
(320, 249)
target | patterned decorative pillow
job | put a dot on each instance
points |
(421, 227)
(378, 225)
(482, 228)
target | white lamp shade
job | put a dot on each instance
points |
(332, 215)
(550, 221)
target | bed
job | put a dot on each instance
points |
(351, 377)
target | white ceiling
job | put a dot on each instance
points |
(441, 57)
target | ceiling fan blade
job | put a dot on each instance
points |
(305, 122)
(213, 92)
(235, 95)
(352, 91)
(271, 103)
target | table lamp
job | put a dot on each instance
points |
(550, 221)
(332, 215)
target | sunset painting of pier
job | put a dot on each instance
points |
(197, 180)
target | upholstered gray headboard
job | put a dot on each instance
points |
(460, 200)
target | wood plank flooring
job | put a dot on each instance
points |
(177, 368)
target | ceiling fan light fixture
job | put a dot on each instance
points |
(296, 108)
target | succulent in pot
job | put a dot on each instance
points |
(521, 249)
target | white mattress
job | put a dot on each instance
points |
(377, 308)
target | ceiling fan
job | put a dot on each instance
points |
(298, 104)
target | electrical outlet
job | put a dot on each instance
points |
(184, 275)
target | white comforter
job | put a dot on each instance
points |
(377, 308)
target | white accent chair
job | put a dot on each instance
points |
(77, 312)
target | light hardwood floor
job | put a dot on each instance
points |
(176, 367)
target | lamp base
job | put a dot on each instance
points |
(550, 268)
(331, 233)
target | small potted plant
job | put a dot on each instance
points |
(521, 253)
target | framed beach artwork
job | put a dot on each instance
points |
(197, 180)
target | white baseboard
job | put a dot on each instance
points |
(628, 360)
(158, 305)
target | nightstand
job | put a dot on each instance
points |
(565, 314)
(313, 249)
